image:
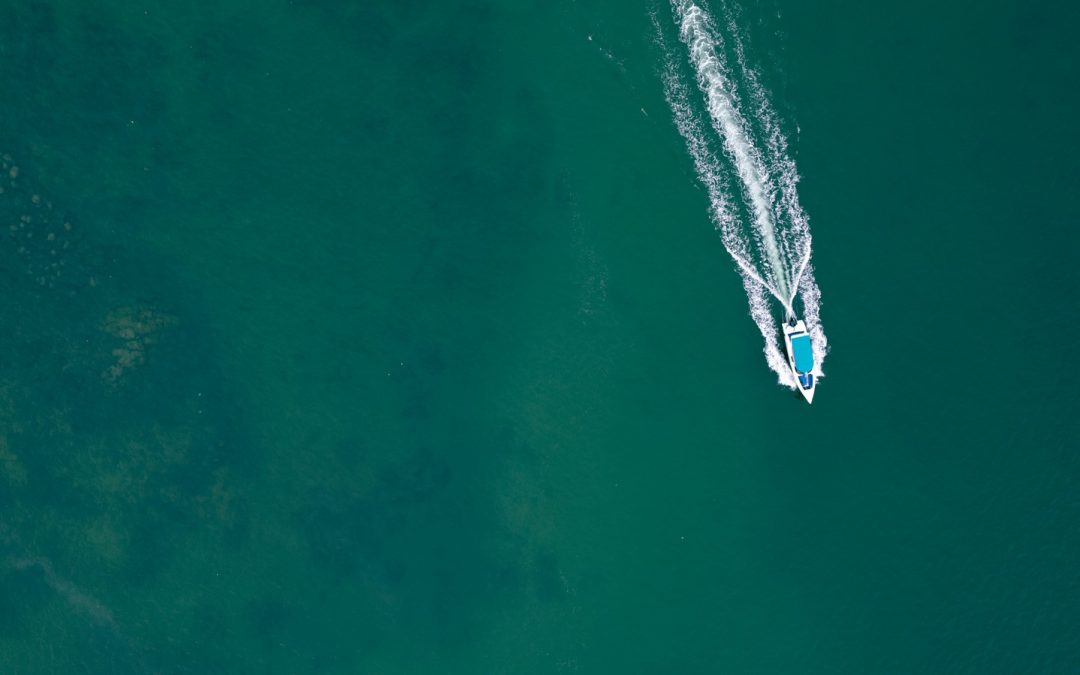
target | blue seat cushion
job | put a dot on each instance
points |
(803, 353)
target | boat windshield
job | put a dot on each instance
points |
(804, 355)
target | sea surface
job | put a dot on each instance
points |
(388, 337)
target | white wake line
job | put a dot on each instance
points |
(798, 237)
(713, 81)
(798, 278)
(748, 268)
(707, 166)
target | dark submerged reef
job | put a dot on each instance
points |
(118, 441)
(141, 529)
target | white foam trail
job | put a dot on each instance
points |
(715, 82)
(779, 231)
(796, 237)
(711, 175)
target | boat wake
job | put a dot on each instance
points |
(740, 154)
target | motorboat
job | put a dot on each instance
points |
(800, 353)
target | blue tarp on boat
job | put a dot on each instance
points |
(804, 355)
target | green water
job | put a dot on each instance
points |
(352, 337)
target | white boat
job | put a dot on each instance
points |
(800, 354)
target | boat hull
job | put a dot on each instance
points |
(797, 331)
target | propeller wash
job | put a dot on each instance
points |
(740, 155)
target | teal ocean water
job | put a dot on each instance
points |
(373, 337)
